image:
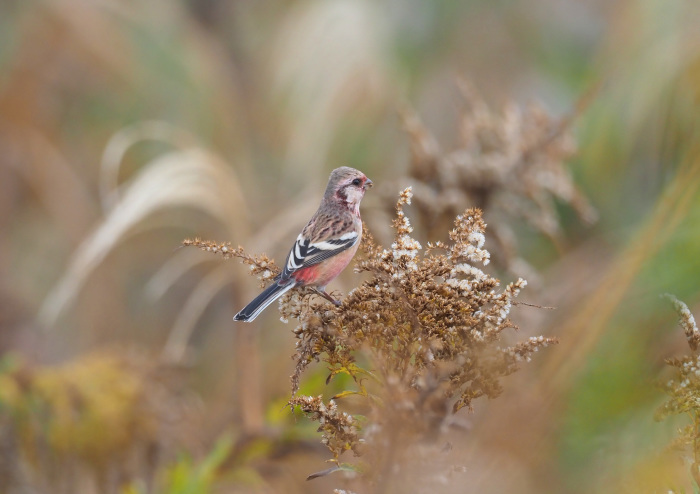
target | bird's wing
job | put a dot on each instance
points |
(305, 253)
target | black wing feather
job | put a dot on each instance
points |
(304, 255)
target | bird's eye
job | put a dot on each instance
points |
(357, 181)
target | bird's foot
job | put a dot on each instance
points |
(323, 293)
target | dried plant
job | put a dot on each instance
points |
(50, 417)
(421, 338)
(683, 388)
(510, 164)
(261, 266)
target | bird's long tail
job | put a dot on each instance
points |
(269, 295)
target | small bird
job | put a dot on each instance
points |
(326, 244)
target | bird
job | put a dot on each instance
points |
(325, 246)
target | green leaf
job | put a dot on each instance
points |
(340, 467)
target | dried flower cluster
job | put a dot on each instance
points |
(683, 388)
(339, 429)
(509, 164)
(686, 321)
(421, 337)
(261, 266)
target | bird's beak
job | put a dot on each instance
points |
(368, 184)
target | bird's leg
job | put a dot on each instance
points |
(323, 293)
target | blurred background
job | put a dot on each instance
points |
(128, 126)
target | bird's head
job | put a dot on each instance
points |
(348, 186)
